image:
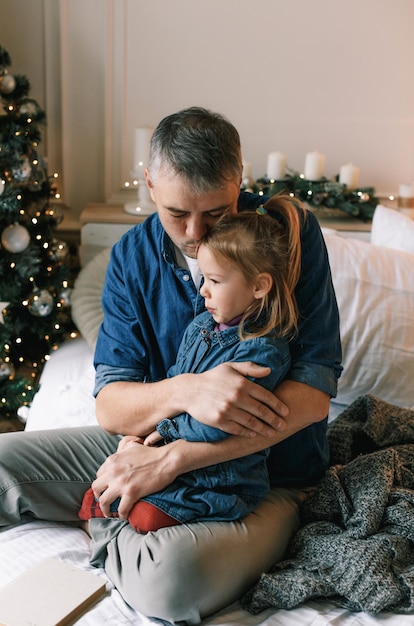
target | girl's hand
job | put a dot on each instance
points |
(128, 440)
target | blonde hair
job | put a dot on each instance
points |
(267, 240)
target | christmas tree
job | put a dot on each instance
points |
(34, 273)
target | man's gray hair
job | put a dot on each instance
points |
(198, 145)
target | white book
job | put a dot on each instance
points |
(52, 593)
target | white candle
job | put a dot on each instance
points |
(349, 175)
(406, 196)
(314, 165)
(141, 153)
(247, 170)
(276, 166)
(2, 185)
(406, 191)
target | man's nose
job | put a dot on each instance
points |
(196, 229)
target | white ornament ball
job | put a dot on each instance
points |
(64, 297)
(22, 172)
(15, 238)
(59, 250)
(41, 303)
(6, 370)
(7, 83)
(28, 107)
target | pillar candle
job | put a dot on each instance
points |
(406, 196)
(2, 185)
(141, 153)
(314, 165)
(348, 175)
(276, 166)
(247, 170)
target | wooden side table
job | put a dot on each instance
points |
(347, 227)
(102, 225)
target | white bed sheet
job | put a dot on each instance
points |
(24, 545)
(66, 382)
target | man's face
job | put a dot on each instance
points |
(187, 216)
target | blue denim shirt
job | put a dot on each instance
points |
(232, 489)
(148, 301)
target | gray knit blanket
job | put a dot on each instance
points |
(355, 546)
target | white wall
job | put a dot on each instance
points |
(292, 75)
(25, 33)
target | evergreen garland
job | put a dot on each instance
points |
(322, 194)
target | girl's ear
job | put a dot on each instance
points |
(263, 285)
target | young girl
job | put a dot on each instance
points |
(250, 264)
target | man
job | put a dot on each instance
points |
(183, 573)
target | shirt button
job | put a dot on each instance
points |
(186, 277)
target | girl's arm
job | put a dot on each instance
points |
(140, 470)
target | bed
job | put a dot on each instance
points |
(375, 290)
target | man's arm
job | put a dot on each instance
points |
(222, 397)
(140, 470)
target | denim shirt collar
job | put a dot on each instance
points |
(206, 325)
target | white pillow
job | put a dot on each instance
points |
(392, 229)
(65, 396)
(86, 297)
(375, 291)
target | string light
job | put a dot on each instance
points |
(321, 194)
(23, 177)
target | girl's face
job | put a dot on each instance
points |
(226, 292)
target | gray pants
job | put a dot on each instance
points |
(179, 574)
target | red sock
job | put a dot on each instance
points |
(145, 517)
(90, 506)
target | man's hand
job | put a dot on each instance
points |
(131, 474)
(225, 398)
(139, 470)
(222, 397)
